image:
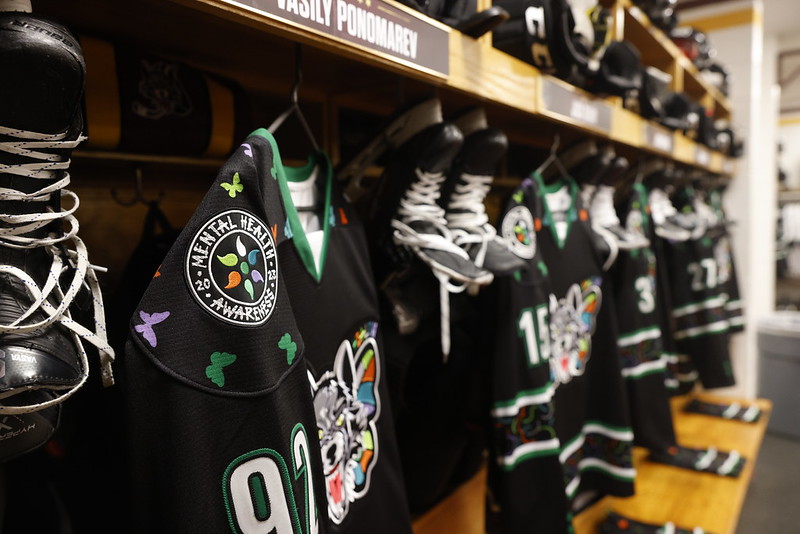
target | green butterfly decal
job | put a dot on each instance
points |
(219, 360)
(518, 197)
(289, 346)
(234, 187)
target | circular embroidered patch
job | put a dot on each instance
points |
(232, 268)
(518, 231)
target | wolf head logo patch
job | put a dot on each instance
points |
(572, 321)
(347, 405)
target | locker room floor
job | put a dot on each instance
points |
(772, 505)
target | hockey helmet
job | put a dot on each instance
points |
(718, 76)
(654, 93)
(679, 113)
(660, 12)
(542, 32)
(695, 45)
(620, 70)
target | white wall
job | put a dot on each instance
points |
(789, 134)
(789, 131)
(751, 198)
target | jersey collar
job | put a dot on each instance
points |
(284, 175)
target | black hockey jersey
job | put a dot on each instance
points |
(726, 266)
(592, 412)
(557, 386)
(220, 425)
(640, 340)
(701, 325)
(526, 488)
(680, 376)
(329, 280)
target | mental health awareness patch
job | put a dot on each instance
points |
(518, 230)
(232, 268)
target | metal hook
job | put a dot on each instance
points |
(298, 73)
(553, 159)
(294, 107)
(138, 194)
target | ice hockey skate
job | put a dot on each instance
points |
(464, 193)
(44, 265)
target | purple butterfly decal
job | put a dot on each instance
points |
(146, 328)
(248, 150)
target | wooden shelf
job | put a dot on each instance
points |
(255, 49)
(658, 50)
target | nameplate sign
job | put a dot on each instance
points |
(576, 107)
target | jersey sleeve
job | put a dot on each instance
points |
(220, 426)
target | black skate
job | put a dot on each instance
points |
(667, 221)
(604, 216)
(43, 264)
(400, 128)
(465, 190)
(419, 223)
(412, 223)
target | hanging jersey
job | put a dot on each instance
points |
(439, 406)
(723, 252)
(558, 395)
(680, 376)
(640, 340)
(329, 280)
(220, 425)
(525, 475)
(698, 305)
(592, 414)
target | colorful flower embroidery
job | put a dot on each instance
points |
(245, 274)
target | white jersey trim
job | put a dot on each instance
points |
(644, 368)
(647, 334)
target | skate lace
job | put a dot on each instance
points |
(466, 214)
(661, 206)
(705, 213)
(419, 204)
(67, 251)
(602, 211)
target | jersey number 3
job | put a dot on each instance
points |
(258, 491)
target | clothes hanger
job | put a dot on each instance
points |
(294, 105)
(552, 161)
(568, 159)
(138, 193)
(592, 169)
(294, 109)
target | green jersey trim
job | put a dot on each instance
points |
(295, 174)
